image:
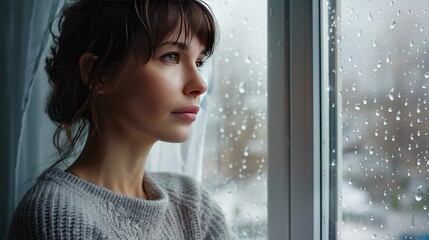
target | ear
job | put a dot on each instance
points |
(86, 65)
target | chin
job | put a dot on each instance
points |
(177, 136)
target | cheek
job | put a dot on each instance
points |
(156, 89)
(154, 92)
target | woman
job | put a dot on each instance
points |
(124, 74)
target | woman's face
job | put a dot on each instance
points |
(160, 99)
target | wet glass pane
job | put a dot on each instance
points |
(375, 118)
(235, 154)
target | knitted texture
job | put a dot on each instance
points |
(63, 206)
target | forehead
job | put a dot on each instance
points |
(179, 38)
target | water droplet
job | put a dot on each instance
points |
(379, 63)
(371, 150)
(418, 108)
(388, 58)
(393, 24)
(419, 194)
(427, 75)
(246, 151)
(374, 43)
(248, 59)
(359, 32)
(354, 87)
(374, 236)
(244, 125)
(413, 223)
(357, 106)
(391, 96)
(411, 43)
(398, 116)
(350, 181)
(244, 164)
(242, 87)
(369, 16)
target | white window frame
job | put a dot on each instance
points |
(294, 139)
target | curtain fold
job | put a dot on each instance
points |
(27, 36)
(29, 130)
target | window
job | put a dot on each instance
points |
(235, 154)
(375, 119)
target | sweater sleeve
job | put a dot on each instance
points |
(214, 224)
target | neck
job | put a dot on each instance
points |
(120, 168)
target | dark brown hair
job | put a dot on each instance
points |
(114, 31)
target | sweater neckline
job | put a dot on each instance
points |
(133, 208)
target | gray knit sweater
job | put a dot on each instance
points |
(63, 206)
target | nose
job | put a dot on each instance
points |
(195, 84)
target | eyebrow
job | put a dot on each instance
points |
(180, 45)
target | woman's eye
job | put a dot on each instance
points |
(199, 64)
(171, 58)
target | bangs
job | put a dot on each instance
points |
(160, 18)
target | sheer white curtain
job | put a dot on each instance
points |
(30, 131)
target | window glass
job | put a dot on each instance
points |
(235, 153)
(375, 118)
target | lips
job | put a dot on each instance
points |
(188, 113)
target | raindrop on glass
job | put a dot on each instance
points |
(419, 194)
(393, 24)
(357, 106)
(246, 151)
(242, 87)
(388, 58)
(248, 59)
(391, 96)
(244, 125)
